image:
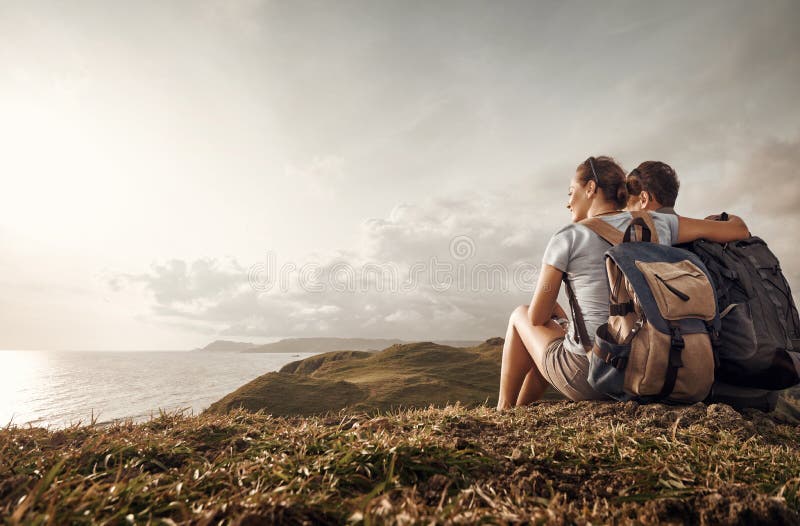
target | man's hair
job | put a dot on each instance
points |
(657, 178)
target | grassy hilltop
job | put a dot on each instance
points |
(554, 462)
(403, 375)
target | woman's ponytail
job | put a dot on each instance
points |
(611, 177)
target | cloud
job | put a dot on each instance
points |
(450, 267)
(477, 239)
(190, 290)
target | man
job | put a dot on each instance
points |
(654, 185)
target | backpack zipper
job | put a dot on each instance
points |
(681, 295)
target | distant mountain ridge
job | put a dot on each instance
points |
(225, 346)
(319, 344)
(324, 344)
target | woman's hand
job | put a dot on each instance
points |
(544, 302)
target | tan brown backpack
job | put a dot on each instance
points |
(663, 319)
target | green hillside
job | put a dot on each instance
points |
(403, 375)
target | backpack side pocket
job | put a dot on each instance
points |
(607, 362)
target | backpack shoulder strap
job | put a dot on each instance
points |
(643, 216)
(580, 333)
(603, 229)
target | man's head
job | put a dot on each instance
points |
(652, 185)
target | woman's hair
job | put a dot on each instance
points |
(633, 184)
(657, 178)
(610, 175)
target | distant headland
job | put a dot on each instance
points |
(319, 344)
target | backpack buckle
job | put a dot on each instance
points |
(676, 346)
(618, 362)
(676, 340)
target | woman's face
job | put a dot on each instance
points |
(579, 200)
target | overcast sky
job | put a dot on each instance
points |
(154, 154)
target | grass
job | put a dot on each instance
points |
(554, 462)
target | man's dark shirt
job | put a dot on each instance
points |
(666, 210)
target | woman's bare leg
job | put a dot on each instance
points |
(532, 388)
(514, 367)
(521, 381)
(537, 338)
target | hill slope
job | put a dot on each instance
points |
(403, 375)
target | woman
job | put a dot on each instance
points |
(538, 348)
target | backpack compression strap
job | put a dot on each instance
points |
(674, 362)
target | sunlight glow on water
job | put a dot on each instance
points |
(60, 388)
(21, 372)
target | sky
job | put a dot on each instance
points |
(161, 162)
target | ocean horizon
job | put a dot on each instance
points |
(57, 389)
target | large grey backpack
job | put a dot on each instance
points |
(760, 334)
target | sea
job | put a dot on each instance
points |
(57, 389)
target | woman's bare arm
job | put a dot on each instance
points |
(690, 229)
(544, 302)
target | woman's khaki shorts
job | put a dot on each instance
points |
(568, 372)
